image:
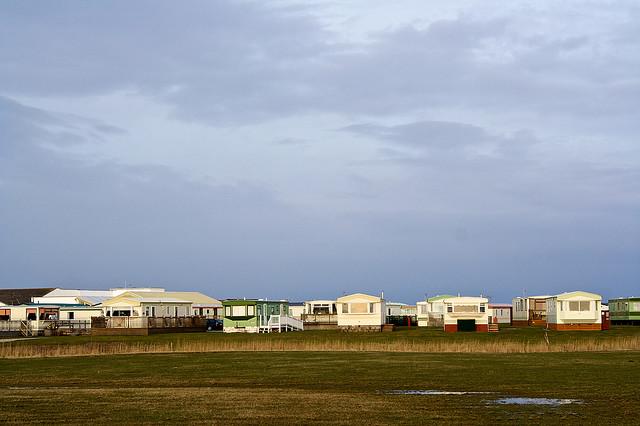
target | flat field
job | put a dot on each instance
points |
(289, 382)
(313, 387)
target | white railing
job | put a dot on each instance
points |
(283, 322)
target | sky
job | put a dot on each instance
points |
(307, 149)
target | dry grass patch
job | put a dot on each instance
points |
(329, 342)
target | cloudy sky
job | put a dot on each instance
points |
(306, 149)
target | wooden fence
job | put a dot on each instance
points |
(146, 325)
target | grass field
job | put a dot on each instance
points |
(508, 340)
(315, 387)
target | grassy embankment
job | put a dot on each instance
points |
(315, 387)
(508, 340)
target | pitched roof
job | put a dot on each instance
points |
(359, 296)
(193, 297)
(578, 295)
(21, 296)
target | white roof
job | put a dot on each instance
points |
(119, 290)
(93, 300)
(62, 295)
(578, 295)
(63, 292)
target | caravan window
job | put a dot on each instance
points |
(251, 310)
(359, 308)
(239, 311)
(580, 306)
(345, 308)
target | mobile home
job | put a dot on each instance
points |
(361, 312)
(466, 314)
(576, 310)
(625, 310)
(258, 315)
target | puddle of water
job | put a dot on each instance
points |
(536, 401)
(502, 401)
(429, 392)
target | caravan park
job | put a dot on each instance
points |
(149, 355)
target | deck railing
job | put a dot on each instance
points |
(149, 322)
(320, 318)
(10, 325)
(282, 323)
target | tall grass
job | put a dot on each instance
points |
(315, 344)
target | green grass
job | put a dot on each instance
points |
(312, 387)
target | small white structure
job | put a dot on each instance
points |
(576, 310)
(394, 309)
(79, 313)
(466, 314)
(361, 312)
(296, 310)
(500, 313)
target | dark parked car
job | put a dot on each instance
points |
(214, 324)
